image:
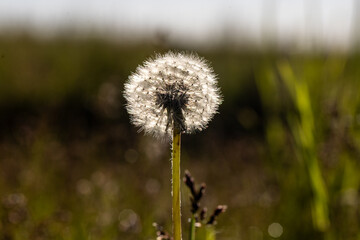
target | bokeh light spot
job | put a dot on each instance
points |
(131, 156)
(275, 230)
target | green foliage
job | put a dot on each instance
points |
(308, 113)
(303, 130)
(206, 232)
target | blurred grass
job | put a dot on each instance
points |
(73, 167)
(303, 131)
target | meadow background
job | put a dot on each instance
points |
(73, 167)
(283, 153)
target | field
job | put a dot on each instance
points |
(282, 153)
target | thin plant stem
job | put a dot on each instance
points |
(192, 228)
(176, 196)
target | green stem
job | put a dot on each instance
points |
(176, 197)
(192, 228)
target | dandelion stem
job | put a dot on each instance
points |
(176, 196)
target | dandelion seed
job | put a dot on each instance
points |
(172, 90)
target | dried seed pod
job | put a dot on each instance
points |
(219, 209)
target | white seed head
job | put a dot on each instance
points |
(174, 89)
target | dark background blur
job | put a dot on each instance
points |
(283, 152)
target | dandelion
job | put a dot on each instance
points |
(172, 94)
(173, 90)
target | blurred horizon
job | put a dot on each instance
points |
(297, 25)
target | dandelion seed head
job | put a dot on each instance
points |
(170, 90)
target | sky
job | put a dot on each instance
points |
(330, 23)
